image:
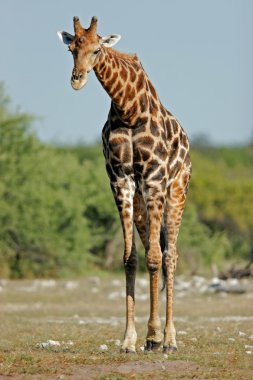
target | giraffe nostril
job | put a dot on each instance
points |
(75, 77)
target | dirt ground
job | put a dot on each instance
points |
(73, 330)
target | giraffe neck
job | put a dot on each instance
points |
(125, 81)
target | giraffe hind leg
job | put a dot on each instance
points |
(140, 219)
(173, 215)
(164, 249)
(123, 194)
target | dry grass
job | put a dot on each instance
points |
(89, 313)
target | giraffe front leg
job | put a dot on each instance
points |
(154, 335)
(130, 264)
(154, 263)
(123, 194)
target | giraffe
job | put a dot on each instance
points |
(147, 160)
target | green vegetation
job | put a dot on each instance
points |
(58, 216)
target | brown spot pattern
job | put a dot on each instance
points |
(132, 74)
(117, 88)
(161, 151)
(123, 74)
(108, 72)
(174, 150)
(147, 141)
(130, 91)
(182, 153)
(143, 102)
(174, 126)
(152, 89)
(168, 129)
(153, 106)
(126, 154)
(145, 154)
(175, 169)
(159, 175)
(154, 129)
(141, 121)
(152, 166)
(140, 82)
(112, 81)
(116, 141)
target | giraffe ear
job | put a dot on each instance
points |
(65, 37)
(110, 40)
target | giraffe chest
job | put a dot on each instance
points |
(118, 151)
(132, 154)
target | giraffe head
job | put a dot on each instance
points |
(85, 46)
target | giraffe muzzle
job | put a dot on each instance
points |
(78, 79)
(77, 76)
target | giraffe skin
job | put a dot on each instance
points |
(147, 160)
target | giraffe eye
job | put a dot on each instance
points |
(97, 51)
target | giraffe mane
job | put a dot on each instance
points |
(127, 56)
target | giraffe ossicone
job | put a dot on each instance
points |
(147, 160)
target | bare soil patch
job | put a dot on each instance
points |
(142, 367)
(128, 370)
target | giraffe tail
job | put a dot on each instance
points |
(164, 249)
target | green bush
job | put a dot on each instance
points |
(42, 200)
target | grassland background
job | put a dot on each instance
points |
(214, 332)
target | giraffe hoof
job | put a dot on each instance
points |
(127, 351)
(152, 346)
(169, 349)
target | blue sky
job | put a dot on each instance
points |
(197, 53)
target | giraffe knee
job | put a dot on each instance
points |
(130, 263)
(130, 266)
(154, 263)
